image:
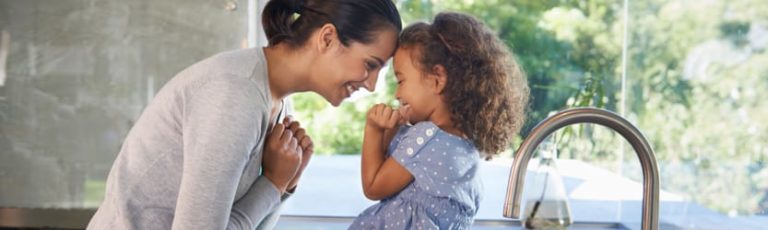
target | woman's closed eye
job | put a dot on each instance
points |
(371, 65)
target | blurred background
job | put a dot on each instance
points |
(692, 75)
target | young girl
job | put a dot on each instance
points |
(466, 95)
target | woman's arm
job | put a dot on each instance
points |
(221, 124)
(381, 176)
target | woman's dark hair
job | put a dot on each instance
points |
(486, 89)
(293, 21)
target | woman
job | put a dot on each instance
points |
(209, 151)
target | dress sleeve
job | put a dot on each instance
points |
(396, 139)
(413, 147)
(222, 122)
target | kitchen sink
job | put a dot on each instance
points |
(289, 222)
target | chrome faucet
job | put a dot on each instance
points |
(650, 218)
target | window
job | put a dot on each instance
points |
(692, 75)
(76, 76)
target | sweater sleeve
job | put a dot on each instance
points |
(222, 122)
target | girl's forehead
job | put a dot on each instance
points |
(400, 56)
(406, 54)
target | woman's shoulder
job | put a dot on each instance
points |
(243, 63)
(236, 60)
(230, 71)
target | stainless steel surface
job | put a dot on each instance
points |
(290, 222)
(35, 218)
(650, 216)
(30, 218)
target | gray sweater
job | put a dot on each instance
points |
(193, 158)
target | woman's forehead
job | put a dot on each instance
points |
(383, 44)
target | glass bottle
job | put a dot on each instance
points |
(547, 206)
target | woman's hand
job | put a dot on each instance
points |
(281, 157)
(306, 145)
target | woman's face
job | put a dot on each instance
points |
(413, 87)
(348, 68)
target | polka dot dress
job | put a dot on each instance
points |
(445, 193)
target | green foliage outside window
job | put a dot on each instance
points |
(702, 111)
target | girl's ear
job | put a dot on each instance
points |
(439, 78)
(326, 38)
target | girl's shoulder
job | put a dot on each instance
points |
(421, 125)
(421, 132)
(427, 133)
(427, 129)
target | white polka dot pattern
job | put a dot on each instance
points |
(445, 191)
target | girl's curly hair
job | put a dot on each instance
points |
(486, 89)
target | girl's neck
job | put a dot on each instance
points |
(442, 118)
(287, 70)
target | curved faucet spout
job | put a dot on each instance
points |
(650, 218)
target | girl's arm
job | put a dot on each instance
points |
(382, 176)
(387, 137)
(390, 132)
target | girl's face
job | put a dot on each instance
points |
(413, 87)
(345, 69)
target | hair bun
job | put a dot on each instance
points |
(297, 6)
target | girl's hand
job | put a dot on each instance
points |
(282, 157)
(306, 145)
(381, 117)
(405, 112)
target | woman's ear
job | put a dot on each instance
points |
(326, 37)
(439, 78)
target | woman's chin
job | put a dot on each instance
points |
(335, 102)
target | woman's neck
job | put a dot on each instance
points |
(287, 70)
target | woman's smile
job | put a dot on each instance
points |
(349, 90)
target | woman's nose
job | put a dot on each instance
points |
(370, 82)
